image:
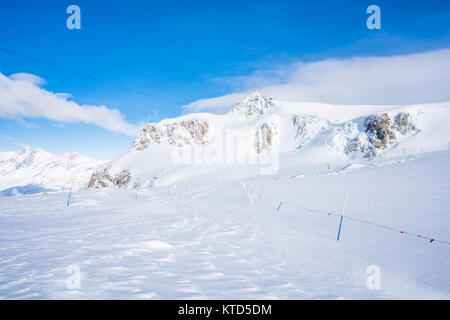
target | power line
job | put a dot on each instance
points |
(87, 76)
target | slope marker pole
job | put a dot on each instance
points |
(342, 215)
(70, 192)
(281, 202)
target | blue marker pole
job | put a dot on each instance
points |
(342, 215)
(70, 192)
(340, 225)
(281, 202)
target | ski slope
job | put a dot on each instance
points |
(211, 237)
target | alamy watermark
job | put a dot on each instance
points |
(374, 279)
(374, 20)
(74, 20)
(233, 147)
(73, 282)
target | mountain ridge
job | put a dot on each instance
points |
(303, 136)
(258, 136)
(37, 167)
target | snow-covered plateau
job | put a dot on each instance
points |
(243, 205)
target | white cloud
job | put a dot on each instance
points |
(402, 79)
(21, 97)
(28, 77)
(219, 104)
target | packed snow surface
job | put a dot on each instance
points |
(190, 211)
(215, 238)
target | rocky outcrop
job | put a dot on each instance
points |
(303, 123)
(103, 178)
(353, 146)
(264, 137)
(100, 179)
(405, 123)
(198, 130)
(122, 179)
(151, 134)
(187, 132)
(254, 104)
(308, 126)
(381, 132)
(368, 135)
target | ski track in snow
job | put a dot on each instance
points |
(218, 240)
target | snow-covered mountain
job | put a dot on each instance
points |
(251, 210)
(40, 169)
(265, 136)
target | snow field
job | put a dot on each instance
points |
(209, 237)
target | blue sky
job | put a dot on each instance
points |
(183, 51)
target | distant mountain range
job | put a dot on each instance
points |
(37, 168)
(258, 136)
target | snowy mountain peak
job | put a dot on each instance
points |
(34, 166)
(253, 104)
(25, 149)
(24, 158)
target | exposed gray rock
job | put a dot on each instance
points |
(102, 179)
(198, 129)
(353, 146)
(264, 137)
(405, 123)
(380, 130)
(308, 127)
(151, 134)
(122, 179)
(254, 104)
(303, 123)
(182, 133)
